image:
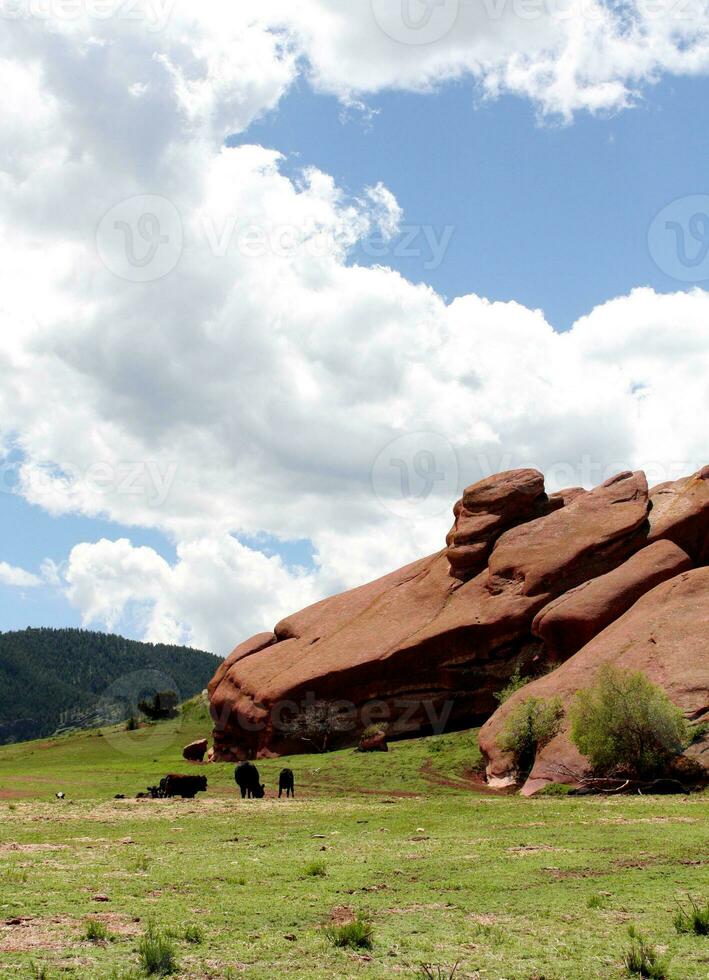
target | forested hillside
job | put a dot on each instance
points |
(57, 680)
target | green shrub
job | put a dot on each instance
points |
(643, 960)
(194, 935)
(96, 931)
(157, 953)
(695, 920)
(555, 789)
(697, 732)
(529, 727)
(514, 684)
(132, 724)
(355, 935)
(594, 902)
(316, 869)
(624, 723)
(371, 731)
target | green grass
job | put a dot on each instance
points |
(505, 887)
(358, 934)
(643, 959)
(96, 931)
(157, 953)
(316, 869)
(695, 919)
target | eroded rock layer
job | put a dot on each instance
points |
(665, 634)
(525, 579)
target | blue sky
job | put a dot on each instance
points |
(552, 216)
(548, 206)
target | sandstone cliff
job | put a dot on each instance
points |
(526, 579)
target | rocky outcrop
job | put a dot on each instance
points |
(431, 643)
(680, 513)
(665, 635)
(571, 621)
(487, 510)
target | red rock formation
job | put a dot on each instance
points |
(571, 621)
(487, 510)
(665, 635)
(196, 751)
(420, 643)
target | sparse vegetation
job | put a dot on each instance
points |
(194, 935)
(531, 725)
(433, 972)
(625, 724)
(515, 683)
(157, 952)
(358, 934)
(316, 869)
(694, 920)
(96, 931)
(457, 890)
(643, 959)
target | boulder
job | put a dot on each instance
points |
(665, 635)
(429, 645)
(196, 751)
(571, 621)
(373, 742)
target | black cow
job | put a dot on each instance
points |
(185, 786)
(249, 782)
(286, 783)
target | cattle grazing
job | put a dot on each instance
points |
(249, 782)
(286, 783)
(185, 786)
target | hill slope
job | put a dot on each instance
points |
(53, 680)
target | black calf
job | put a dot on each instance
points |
(286, 783)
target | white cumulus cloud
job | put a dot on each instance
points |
(256, 379)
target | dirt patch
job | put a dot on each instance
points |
(30, 848)
(526, 850)
(342, 915)
(24, 935)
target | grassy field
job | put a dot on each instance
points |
(446, 873)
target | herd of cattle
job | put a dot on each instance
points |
(246, 776)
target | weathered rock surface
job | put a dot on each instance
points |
(665, 635)
(571, 621)
(487, 510)
(680, 513)
(436, 639)
(196, 751)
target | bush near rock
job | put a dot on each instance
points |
(525, 580)
(373, 739)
